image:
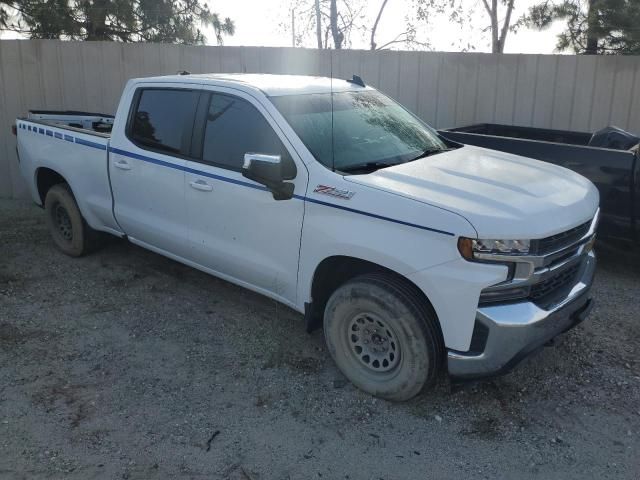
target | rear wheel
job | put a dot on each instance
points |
(69, 231)
(383, 336)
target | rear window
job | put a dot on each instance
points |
(163, 119)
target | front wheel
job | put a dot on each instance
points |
(69, 230)
(383, 336)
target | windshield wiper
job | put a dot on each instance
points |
(431, 151)
(367, 166)
(371, 166)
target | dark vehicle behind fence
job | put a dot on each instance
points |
(609, 158)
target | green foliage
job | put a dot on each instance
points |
(114, 20)
(593, 26)
(4, 15)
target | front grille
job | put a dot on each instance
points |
(560, 240)
(543, 293)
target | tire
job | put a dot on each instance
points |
(383, 336)
(69, 230)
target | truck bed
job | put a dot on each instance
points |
(91, 122)
(58, 141)
(527, 133)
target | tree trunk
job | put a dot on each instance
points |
(505, 27)
(337, 35)
(495, 34)
(492, 11)
(592, 25)
(318, 24)
(96, 20)
(375, 25)
(498, 35)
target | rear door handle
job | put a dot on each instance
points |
(122, 165)
(201, 185)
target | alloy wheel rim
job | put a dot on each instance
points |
(373, 342)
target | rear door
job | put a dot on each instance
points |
(147, 161)
(237, 228)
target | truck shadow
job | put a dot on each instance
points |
(572, 364)
(200, 341)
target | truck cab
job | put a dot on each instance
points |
(415, 253)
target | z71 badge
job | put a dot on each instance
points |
(334, 192)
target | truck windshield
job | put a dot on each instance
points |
(370, 131)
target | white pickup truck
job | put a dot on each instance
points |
(415, 253)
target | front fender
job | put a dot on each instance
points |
(400, 245)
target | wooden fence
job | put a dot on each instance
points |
(445, 89)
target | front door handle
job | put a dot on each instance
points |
(122, 165)
(201, 185)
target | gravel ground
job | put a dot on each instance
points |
(124, 364)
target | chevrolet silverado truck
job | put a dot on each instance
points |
(415, 253)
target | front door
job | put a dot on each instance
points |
(237, 228)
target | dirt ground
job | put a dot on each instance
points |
(127, 365)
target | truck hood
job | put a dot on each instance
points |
(502, 195)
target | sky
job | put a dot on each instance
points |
(267, 23)
(258, 23)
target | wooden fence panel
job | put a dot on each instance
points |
(445, 89)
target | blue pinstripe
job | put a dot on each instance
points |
(242, 183)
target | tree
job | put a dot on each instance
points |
(407, 37)
(336, 32)
(318, 13)
(4, 14)
(593, 26)
(330, 21)
(335, 23)
(499, 32)
(375, 25)
(464, 13)
(114, 20)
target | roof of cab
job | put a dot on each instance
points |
(270, 84)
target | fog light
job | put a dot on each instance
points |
(503, 295)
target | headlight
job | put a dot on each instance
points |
(471, 248)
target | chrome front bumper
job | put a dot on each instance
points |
(515, 330)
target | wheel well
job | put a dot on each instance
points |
(335, 271)
(45, 179)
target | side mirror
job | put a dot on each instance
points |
(267, 170)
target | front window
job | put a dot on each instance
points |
(370, 130)
(235, 127)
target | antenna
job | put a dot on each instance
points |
(357, 81)
(333, 156)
